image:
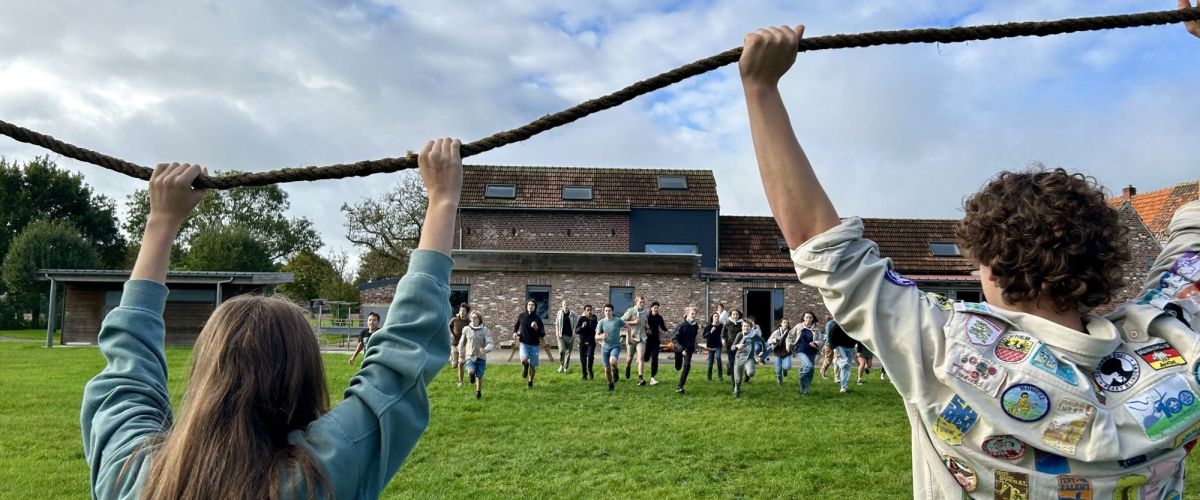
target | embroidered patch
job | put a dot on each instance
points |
(1025, 402)
(1011, 485)
(1132, 462)
(962, 471)
(1188, 435)
(1014, 347)
(981, 331)
(1068, 425)
(1161, 355)
(1004, 447)
(1049, 463)
(1100, 397)
(1164, 407)
(1074, 488)
(1187, 265)
(1154, 298)
(1196, 372)
(1117, 372)
(956, 419)
(897, 279)
(1173, 495)
(973, 368)
(1045, 360)
(939, 300)
(976, 307)
(1128, 486)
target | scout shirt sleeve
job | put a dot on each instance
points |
(364, 439)
(128, 401)
(874, 304)
(1180, 255)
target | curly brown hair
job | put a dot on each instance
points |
(1047, 234)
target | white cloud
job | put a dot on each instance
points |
(893, 131)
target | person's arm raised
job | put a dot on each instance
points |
(797, 200)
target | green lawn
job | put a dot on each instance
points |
(39, 335)
(564, 438)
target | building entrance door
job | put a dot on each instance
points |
(766, 305)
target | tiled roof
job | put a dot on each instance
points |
(751, 243)
(612, 188)
(1156, 207)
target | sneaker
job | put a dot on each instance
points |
(558, 370)
(882, 376)
(860, 382)
(530, 384)
(610, 386)
(867, 371)
(842, 390)
(460, 384)
(679, 390)
(653, 381)
(641, 382)
(478, 395)
(737, 393)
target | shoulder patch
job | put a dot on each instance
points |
(981, 331)
(1044, 359)
(1004, 447)
(1187, 265)
(1066, 428)
(975, 369)
(1164, 407)
(962, 471)
(1011, 484)
(1025, 402)
(1014, 347)
(975, 307)
(1117, 372)
(941, 301)
(1074, 487)
(1161, 355)
(897, 279)
(956, 419)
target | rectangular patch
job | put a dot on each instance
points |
(1188, 436)
(1067, 426)
(1188, 266)
(971, 367)
(981, 331)
(1074, 488)
(1164, 407)
(1049, 463)
(1044, 359)
(956, 419)
(975, 307)
(1161, 355)
(1011, 485)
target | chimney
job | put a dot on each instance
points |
(1129, 192)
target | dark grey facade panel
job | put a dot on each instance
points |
(675, 226)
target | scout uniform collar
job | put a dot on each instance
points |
(1082, 349)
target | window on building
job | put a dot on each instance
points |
(459, 295)
(621, 297)
(577, 193)
(783, 247)
(505, 191)
(672, 182)
(969, 295)
(944, 249)
(672, 248)
(540, 295)
(765, 304)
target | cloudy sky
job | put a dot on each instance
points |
(893, 132)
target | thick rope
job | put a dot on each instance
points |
(368, 167)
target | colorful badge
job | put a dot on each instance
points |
(975, 307)
(1025, 402)
(1074, 488)
(1004, 447)
(1044, 359)
(1173, 495)
(1166, 406)
(1129, 486)
(1196, 372)
(981, 331)
(1117, 372)
(973, 368)
(963, 473)
(941, 301)
(1161, 355)
(1187, 265)
(1011, 485)
(1068, 425)
(1154, 298)
(1014, 347)
(897, 279)
(1100, 397)
(1188, 435)
(956, 419)
(1049, 463)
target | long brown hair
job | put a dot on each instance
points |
(256, 375)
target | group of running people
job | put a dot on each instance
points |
(639, 331)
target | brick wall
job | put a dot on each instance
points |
(1144, 247)
(557, 231)
(83, 312)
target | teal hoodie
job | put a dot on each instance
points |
(360, 443)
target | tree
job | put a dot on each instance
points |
(389, 227)
(39, 189)
(258, 209)
(43, 244)
(317, 277)
(229, 248)
(373, 266)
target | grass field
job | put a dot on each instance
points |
(564, 438)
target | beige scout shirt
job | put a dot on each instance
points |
(475, 343)
(637, 333)
(1008, 405)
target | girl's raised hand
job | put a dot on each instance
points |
(171, 195)
(1193, 27)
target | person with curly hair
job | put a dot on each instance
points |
(1049, 250)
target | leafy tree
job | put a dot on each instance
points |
(38, 189)
(373, 266)
(43, 244)
(259, 209)
(318, 277)
(389, 227)
(229, 248)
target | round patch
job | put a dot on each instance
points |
(1196, 372)
(1014, 347)
(1004, 447)
(1025, 402)
(1117, 372)
(963, 473)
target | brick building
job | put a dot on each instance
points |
(596, 236)
(88, 296)
(1156, 208)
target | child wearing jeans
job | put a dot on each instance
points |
(1028, 395)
